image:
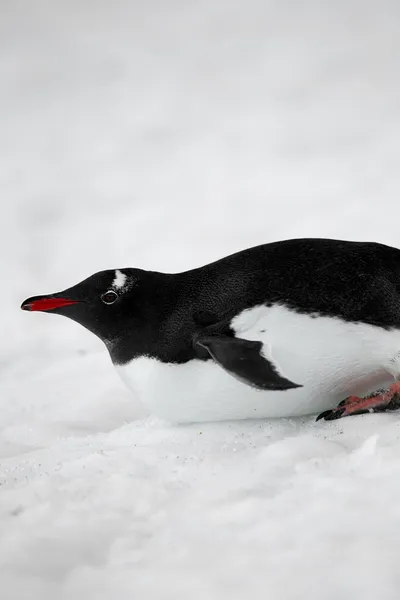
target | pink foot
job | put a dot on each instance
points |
(353, 405)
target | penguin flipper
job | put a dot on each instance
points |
(243, 359)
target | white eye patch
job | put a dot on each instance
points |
(119, 280)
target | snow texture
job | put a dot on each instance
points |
(162, 135)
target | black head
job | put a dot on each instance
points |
(115, 305)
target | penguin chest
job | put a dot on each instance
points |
(329, 357)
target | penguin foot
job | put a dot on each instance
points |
(353, 405)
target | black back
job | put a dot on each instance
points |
(355, 281)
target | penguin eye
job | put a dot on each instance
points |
(109, 297)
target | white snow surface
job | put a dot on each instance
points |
(165, 134)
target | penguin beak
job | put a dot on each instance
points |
(46, 303)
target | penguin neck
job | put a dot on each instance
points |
(173, 309)
(161, 328)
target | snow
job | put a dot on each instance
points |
(162, 135)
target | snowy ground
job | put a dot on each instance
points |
(164, 134)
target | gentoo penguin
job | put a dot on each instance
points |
(284, 329)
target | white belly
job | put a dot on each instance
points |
(330, 358)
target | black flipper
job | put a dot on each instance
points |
(243, 359)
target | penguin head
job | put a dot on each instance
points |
(107, 303)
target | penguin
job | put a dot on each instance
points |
(289, 328)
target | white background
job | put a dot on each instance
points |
(163, 135)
